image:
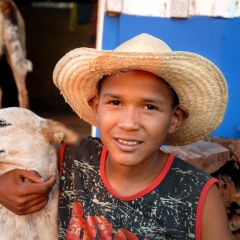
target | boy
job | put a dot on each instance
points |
(140, 96)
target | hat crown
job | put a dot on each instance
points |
(144, 43)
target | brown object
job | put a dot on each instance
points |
(228, 190)
(237, 210)
(207, 156)
(234, 223)
(230, 143)
(236, 235)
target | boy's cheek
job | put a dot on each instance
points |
(106, 119)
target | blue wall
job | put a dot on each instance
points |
(217, 39)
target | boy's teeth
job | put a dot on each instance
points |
(128, 142)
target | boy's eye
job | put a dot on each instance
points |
(115, 102)
(150, 107)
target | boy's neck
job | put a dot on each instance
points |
(127, 181)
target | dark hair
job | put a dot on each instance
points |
(99, 85)
(175, 100)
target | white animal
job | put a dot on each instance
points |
(26, 143)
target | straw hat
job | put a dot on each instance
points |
(199, 84)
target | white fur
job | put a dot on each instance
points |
(26, 143)
(12, 44)
(14, 48)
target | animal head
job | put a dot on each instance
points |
(26, 139)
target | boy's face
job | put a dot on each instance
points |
(134, 114)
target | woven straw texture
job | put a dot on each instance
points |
(199, 84)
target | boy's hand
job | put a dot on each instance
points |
(23, 197)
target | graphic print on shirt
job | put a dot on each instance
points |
(94, 227)
(87, 210)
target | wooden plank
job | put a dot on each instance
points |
(234, 223)
(114, 7)
(230, 143)
(228, 210)
(179, 8)
(236, 235)
(237, 210)
(207, 156)
(168, 8)
(228, 190)
(214, 8)
(158, 8)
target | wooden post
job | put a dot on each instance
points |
(114, 7)
(179, 8)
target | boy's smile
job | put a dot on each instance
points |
(134, 113)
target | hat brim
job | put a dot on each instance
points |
(199, 84)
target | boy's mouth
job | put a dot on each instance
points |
(128, 142)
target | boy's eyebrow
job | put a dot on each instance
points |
(149, 100)
(111, 95)
(153, 100)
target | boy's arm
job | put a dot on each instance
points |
(23, 197)
(214, 217)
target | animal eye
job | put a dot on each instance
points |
(4, 123)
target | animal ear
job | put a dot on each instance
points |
(49, 135)
(58, 137)
(63, 134)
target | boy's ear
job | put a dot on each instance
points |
(93, 103)
(180, 114)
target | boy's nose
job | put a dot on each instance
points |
(129, 120)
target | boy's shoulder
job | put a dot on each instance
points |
(181, 168)
(88, 147)
(89, 142)
(186, 165)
